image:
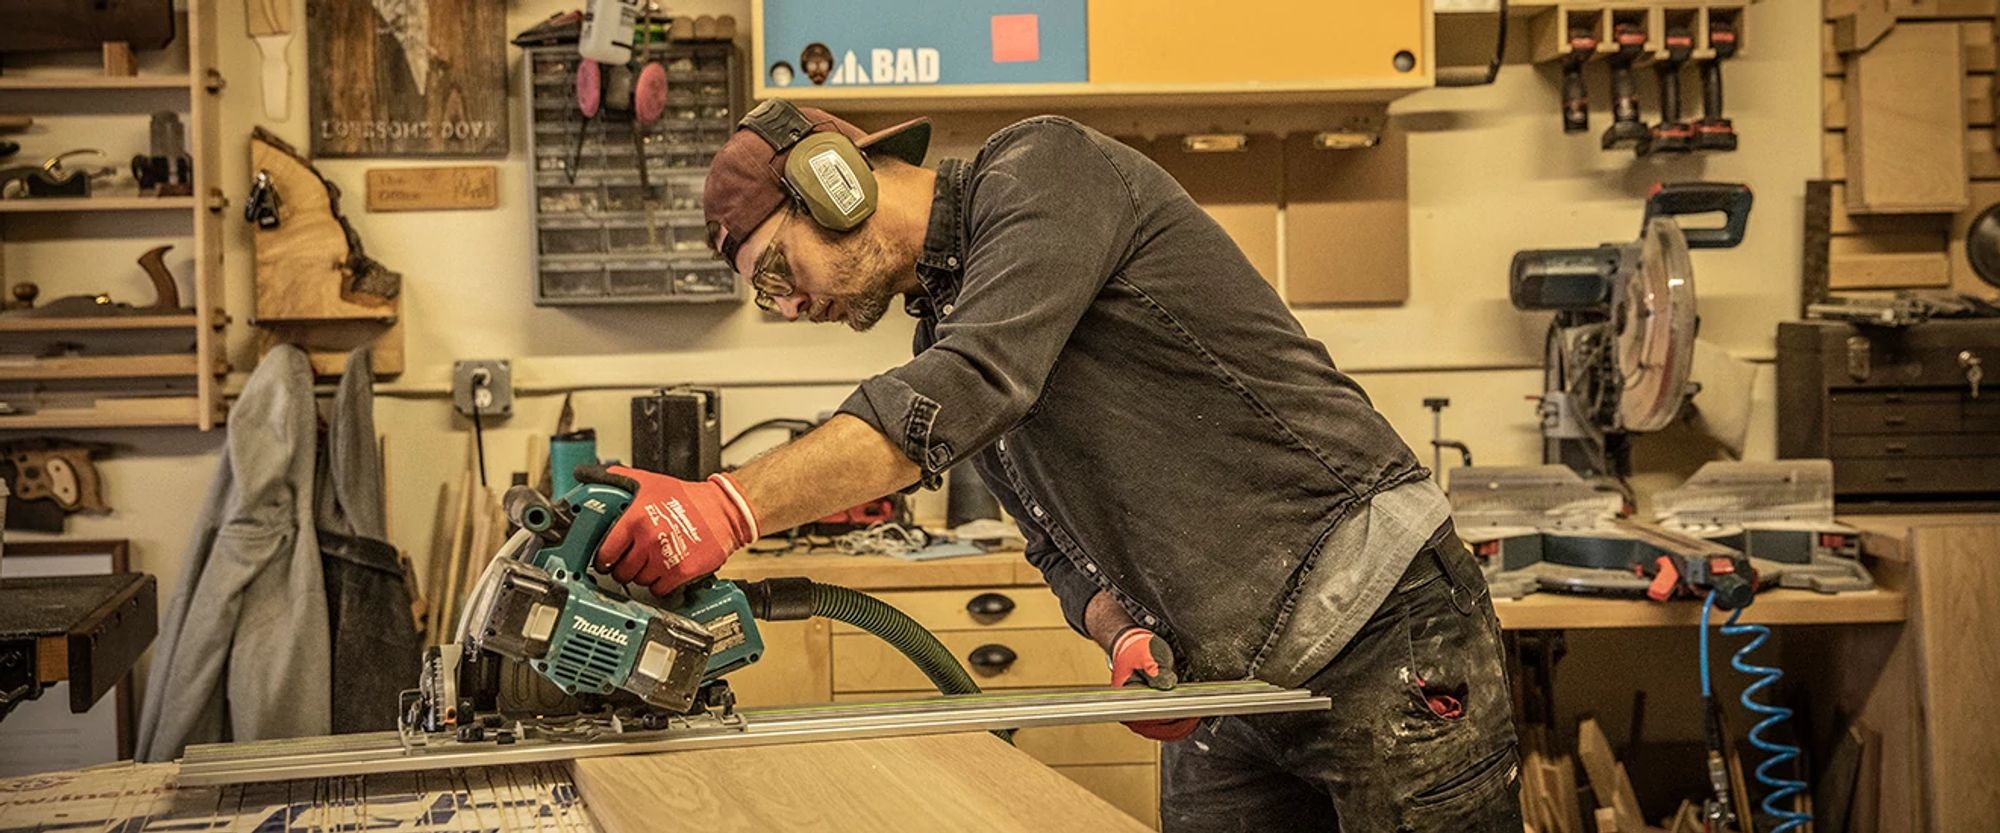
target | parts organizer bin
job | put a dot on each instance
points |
(593, 243)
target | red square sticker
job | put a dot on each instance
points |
(1016, 38)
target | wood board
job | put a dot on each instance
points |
(1347, 222)
(1905, 116)
(966, 782)
(306, 264)
(433, 189)
(1956, 621)
(407, 79)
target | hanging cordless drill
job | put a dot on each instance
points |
(1626, 130)
(1714, 132)
(1576, 95)
(1671, 135)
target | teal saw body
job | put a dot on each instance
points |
(545, 608)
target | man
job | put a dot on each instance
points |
(1208, 497)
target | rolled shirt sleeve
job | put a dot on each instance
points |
(1049, 219)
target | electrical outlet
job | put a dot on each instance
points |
(487, 382)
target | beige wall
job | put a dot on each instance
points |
(1490, 173)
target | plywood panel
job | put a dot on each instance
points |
(1347, 222)
(1133, 788)
(1975, 42)
(1240, 189)
(1845, 223)
(970, 782)
(1958, 624)
(1889, 271)
(1098, 743)
(1978, 102)
(1905, 95)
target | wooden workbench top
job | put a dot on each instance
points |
(968, 782)
(1537, 611)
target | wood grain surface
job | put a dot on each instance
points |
(968, 782)
(302, 265)
(426, 79)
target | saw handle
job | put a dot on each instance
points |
(1675, 199)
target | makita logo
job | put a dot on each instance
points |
(600, 631)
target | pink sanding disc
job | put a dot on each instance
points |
(589, 87)
(649, 96)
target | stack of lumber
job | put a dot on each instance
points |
(470, 527)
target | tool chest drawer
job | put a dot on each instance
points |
(975, 608)
(1029, 658)
(1916, 445)
(1917, 475)
(1912, 411)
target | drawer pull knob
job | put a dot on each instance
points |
(989, 660)
(990, 605)
(1896, 448)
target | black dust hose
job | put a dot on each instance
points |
(782, 599)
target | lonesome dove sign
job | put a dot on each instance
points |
(408, 78)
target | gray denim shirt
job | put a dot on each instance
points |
(1134, 393)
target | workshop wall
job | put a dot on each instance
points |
(1490, 173)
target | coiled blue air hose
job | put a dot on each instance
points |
(1777, 788)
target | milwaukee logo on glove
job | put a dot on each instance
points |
(678, 530)
(694, 525)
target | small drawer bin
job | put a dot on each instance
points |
(568, 199)
(571, 239)
(639, 277)
(710, 278)
(572, 279)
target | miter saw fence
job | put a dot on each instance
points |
(1734, 528)
(1622, 341)
(546, 650)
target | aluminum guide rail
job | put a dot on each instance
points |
(379, 752)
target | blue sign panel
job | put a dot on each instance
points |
(923, 42)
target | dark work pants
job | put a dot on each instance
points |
(1420, 738)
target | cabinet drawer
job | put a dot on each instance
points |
(1041, 658)
(1916, 475)
(1917, 445)
(1923, 411)
(1132, 788)
(952, 610)
(1097, 743)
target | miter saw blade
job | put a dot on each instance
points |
(1656, 330)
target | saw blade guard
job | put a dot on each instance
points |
(1656, 330)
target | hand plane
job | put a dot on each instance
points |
(51, 178)
(166, 296)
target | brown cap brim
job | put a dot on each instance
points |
(908, 141)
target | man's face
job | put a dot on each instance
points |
(849, 278)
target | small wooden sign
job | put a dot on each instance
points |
(433, 189)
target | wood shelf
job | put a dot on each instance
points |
(1774, 607)
(102, 323)
(156, 366)
(63, 205)
(77, 83)
(182, 411)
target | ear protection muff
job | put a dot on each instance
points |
(825, 175)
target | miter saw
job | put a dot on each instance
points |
(547, 651)
(1619, 353)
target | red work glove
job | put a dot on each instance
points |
(1138, 657)
(674, 531)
